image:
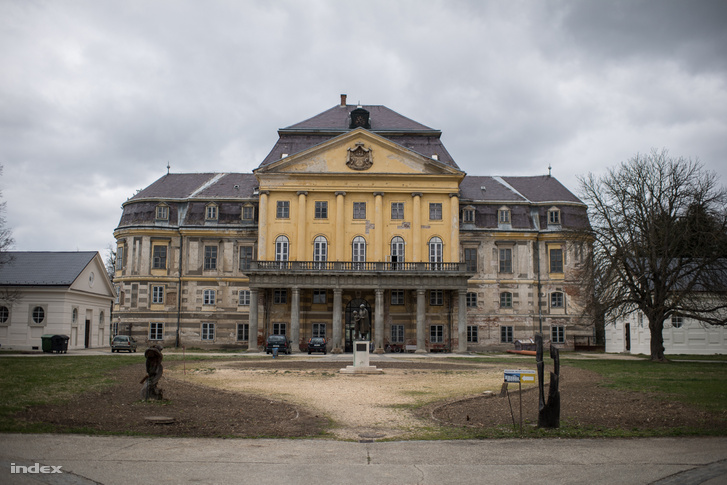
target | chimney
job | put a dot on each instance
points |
(343, 101)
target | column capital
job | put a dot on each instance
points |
(264, 192)
(416, 194)
(302, 192)
(378, 194)
(340, 192)
(454, 194)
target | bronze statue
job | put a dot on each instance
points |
(154, 371)
(548, 412)
(361, 322)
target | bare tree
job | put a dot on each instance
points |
(659, 226)
(6, 235)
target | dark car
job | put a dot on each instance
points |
(317, 344)
(123, 342)
(279, 342)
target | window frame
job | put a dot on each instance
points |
(282, 248)
(398, 335)
(504, 216)
(320, 210)
(436, 211)
(207, 332)
(248, 213)
(156, 330)
(282, 209)
(211, 212)
(397, 211)
(470, 259)
(157, 294)
(557, 299)
(278, 326)
(320, 296)
(245, 328)
(436, 297)
(556, 265)
(246, 257)
(159, 256)
(507, 334)
(506, 299)
(397, 297)
(436, 334)
(5, 314)
(280, 296)
(359, 210)
(471, 299)
(318, 330)
(505, 263)
(162, 212)
(554, 217)
(243, 298)
(209, 297)
(210, 258)
(557, 334)
(473, 332)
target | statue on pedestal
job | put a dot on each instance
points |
(361, 323)
(154, 371)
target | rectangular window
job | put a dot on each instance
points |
(503, 216)
(435, 211)
(157, 295)
(243, 297)
(436, 334)
(156, 331)
(506, 334)
(209, 297)
(468, 216)
(245, 257)
(505, 260)
(278, 329)
(470, 259)
(436, 297)
(162, 213)
(243, 332)
(359, 210)
(280, 296)
(159, 257)
(211, 213)
(321, 209)
(119, 258)
(283, 209)
(505, 299)
(554, 217)
(397, 210)
(556, 299)
(472, 300)
(556, 260)
(472, 333)
(248, 213)
(319, 330)
(557, 334)
(397, 297)
(208, 331)
(210, 257)
(397, 334)
(118, 294)
(319, 296)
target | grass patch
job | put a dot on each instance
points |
(700, 384)
(50, 379)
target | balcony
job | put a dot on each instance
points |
(353, 267)
(353, 275)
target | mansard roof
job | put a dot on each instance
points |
(42, 268)
(337, 121)
(200, 185)
(535, 189)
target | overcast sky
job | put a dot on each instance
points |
(96, 97)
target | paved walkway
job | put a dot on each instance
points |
(123, 460)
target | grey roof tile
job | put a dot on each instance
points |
(42, 268)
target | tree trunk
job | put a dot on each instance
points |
(656, 328)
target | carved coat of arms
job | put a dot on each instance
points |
(359, 158)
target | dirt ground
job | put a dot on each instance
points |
(300, 398)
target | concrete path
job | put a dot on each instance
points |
(123, 460)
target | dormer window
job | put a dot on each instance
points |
(553, 216)
(210, 213)
(468, 215)
(359, 119)
(248, 212)
(162, 212)
(503, 215)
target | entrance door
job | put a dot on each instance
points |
(355, 305)
(87, 338)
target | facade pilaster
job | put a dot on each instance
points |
(379, 322)
(421, 317)
(337, 346)
(340, 234)
(417, 227)
(454, 225)
(295, 321)
(253, 321)
(379, 226)
(302, 196)
(462, 321)
(262, 238)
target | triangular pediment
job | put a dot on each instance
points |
(358, 152)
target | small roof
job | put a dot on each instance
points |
(201, 185)
(337, 119)
(541, 188)
(42, 268)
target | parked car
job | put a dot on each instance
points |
(123, 342)
(279, 342)
(317, 344)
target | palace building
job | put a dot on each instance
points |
(357, 208)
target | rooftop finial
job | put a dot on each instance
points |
(549, 168)
(168, 167)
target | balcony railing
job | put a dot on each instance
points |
(354, 267)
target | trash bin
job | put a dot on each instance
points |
(47, 342)
(59, 343)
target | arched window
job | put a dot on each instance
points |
(397, 252)
(435, 252)
(358, 250)
(320, 251)
(281, 249)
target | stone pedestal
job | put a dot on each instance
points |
(361, 360)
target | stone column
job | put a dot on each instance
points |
(378, 226)
(262, 238)
(421, 317)
(337, 346)
(417, 227)
(253, 321)
(295, 321)
(462, 321)
(454, 225)
(379, 322)
(340, 234)
(301, 227)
